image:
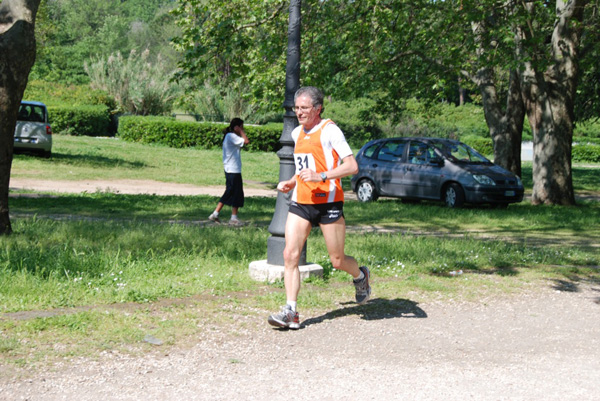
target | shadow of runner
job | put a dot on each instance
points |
(376, 309)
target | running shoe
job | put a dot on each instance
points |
(214, 217)
(287, 318)
(235, 222)
(363, 287)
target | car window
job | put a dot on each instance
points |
(392, 151)
(419, 153)
(33, 113)
(370, 150)
(461, 152)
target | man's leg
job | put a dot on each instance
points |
(297, 230)
(335, 239)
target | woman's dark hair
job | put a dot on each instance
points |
(236, 122)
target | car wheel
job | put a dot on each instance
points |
(366, 192)
(454, 196)
(46, 154)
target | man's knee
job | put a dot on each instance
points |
(291, 255)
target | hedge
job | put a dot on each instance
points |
(80, 120)
(586, 153)
(180, 134)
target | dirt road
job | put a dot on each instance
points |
(132, 187)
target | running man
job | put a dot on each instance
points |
(322, 158)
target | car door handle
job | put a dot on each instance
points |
(375, 165)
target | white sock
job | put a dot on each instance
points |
(360, 276)
(292, 305)
(234, 217)
(215, 213)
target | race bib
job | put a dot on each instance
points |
(304, 160)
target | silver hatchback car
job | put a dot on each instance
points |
(33, 132)
(432, 168)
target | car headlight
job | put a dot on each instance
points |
(483, 179)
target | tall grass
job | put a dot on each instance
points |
(138, 84)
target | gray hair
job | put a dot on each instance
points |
(316, 96)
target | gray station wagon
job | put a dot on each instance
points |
(432, 168)
(33, 132)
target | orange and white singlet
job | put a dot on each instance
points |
(321, 149)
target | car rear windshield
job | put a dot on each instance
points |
(32, 112)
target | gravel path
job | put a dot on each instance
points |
(539, 345)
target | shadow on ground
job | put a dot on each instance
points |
(376, 309)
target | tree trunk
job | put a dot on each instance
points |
(552, 137)
(506, 127)
(549, 100)
(17, 55)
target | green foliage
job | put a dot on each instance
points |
(181, 134)
(234, 44)
(209, 103)
(587, 129)
(80, 120)
(70, 32)
(57, 94)
(442, 120)
(139, 85)
(586, 153)
(358, 119)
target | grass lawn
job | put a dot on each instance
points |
(85, 158)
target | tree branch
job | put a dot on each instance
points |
(264, 21)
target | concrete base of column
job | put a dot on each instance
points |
(260, 270)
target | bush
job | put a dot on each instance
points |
(79, 120)
(586, 153)
(442, 120)
(357, 119)
(138, 85)
(180, 134)
(57, 94)
(587, 130)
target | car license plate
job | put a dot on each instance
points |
(509, 193)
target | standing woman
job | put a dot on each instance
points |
(233, 141)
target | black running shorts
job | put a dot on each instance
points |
(324, 213)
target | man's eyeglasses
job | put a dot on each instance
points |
(303, 109)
